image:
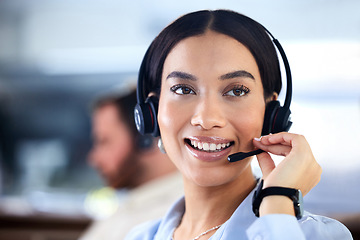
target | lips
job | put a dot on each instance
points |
(208, 148)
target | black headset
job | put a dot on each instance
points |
(276, 119)
(145, 112)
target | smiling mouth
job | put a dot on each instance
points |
(207, 146)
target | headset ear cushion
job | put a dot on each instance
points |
(270, 115)
(282, 121)
(153, 102)
(142, 116)
(145, 115)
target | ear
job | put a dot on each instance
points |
(153, 94)
(273, 97)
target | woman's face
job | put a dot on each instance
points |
(211, 105)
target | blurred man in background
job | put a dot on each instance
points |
(127, 160)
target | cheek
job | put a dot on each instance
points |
(168, 125)
(173, 119)
(124, 145)
(119, 149)
(249, 123)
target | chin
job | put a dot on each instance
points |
(211, 177)
(220, 175)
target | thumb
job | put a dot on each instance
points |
(266, 163)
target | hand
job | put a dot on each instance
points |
(298, 169)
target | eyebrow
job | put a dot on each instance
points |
(236, 74)
(181, 75)
(231, 75)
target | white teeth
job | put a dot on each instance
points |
(206, 146)
(209, 146)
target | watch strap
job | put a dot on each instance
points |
(292, 193)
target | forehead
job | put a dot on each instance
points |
(210, 51)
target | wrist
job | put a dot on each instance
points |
(276, 204)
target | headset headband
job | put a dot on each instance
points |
(140, 85)
(287, 70)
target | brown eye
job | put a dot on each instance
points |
(238, 91)
(182, 90)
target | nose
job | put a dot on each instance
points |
(209, 114)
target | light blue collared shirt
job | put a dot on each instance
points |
(244, 225)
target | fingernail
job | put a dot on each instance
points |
(257, 139)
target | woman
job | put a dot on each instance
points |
(214, 73)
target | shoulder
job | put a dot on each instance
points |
(323, 227)
(144, 231)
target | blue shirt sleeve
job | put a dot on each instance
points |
(320, 227)
(275, 226)
(282, 226)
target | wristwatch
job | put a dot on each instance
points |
(294, 194)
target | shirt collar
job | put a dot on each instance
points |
(240, 220)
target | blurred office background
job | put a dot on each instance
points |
(56, 55)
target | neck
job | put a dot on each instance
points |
(207, 207)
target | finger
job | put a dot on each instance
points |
(283, 138)
(297, 142)
(266, 163)
(277, 149)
